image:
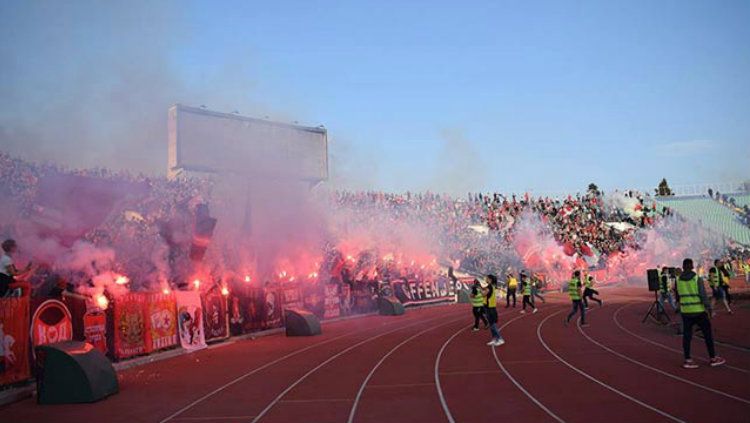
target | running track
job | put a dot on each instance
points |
(427, 366)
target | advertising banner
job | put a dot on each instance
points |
(190, 320)
(14, 340)
(129, 325)
(51, 323)
(161, 321)
(215, 316)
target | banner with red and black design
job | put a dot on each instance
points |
(161, 321)
(215, 316)
(129, 322)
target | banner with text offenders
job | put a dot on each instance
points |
(215, 316)
(161, 321)
(50, 323)
(332, 301)
(14, 340)
(414, 292)
(129, 319)
(190, 320)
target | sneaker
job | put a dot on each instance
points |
(690, 364)
(499, 342)
(491, 343)
(475, 329)
(523, 311)
(717, 361)
(601, 303)
(534, 311)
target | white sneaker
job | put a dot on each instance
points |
(491, 343)
(499, 342)
(535, 310)
(523, 311)
(475, 329)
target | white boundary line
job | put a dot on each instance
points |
(659, 344)
(382, 360)
(520, 387)
(330, 359)
(595, 380)
(443, 402)
(662, 372)
(263, 367)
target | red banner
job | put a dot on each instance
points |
(161, 322)
(215, 316)
(129, 325)
(95, 330)
(51, 323)
(14, 340)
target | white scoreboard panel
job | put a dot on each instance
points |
(206, 141)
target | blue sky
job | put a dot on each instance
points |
(416, 95)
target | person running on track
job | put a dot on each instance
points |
(574, 290)
(512, 284)
(691, 296)
(535, 286)
(665, 290)
(478, 302)
(526, 291)
(589, 292)
(491, 293)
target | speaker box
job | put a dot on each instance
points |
(462, 296)
(301, 323)
(73, 372)
(653, 279)
(390, 306)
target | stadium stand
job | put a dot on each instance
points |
(711, 214)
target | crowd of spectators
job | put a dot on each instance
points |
(742, 210)
(150, 223)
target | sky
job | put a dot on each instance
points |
(421, 95)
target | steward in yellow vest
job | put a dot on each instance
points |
(574, 290)
(478, 301)
(691, 296)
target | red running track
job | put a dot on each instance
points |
(427, 366)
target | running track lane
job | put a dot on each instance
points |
(474, 387)
(570, 395)
(403, 389)
(250, 396)
(674, 398)
(719, 382)
(326, 393)
(628, 319)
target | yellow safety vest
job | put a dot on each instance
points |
(477, 300)
(492, 299)
(573, 289)
(690, 299)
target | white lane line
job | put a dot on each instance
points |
(443, 402)
(522, 389)
(369, 376)
(263, 367)
(595, 380)
(659, 344)
(330, 359)
(662, 372)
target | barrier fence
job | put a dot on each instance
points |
(142, 323)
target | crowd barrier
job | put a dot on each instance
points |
(142, 323)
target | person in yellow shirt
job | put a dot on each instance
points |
(512, 286)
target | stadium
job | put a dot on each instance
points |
(240, 280)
